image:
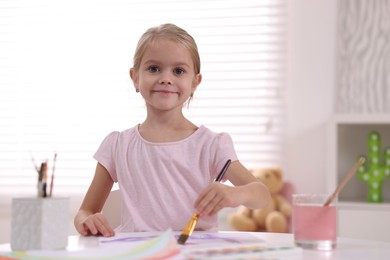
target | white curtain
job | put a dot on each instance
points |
(64, 82)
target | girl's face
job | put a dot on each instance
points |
(166, 76)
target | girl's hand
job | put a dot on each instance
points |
(215, 197)
(95, 225)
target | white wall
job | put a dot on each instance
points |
(311, 77)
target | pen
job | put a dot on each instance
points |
(189, 228)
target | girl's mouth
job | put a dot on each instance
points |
(164, 91)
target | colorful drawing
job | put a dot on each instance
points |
(374, 170)
(163, 246)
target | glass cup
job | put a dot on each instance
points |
(314, 225)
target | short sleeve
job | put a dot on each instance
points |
(105, 154)
(225, 151)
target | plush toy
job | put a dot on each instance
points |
(274, 217)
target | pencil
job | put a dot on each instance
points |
(44, 179)
(345, 181)
(52, 176)
(189, 228)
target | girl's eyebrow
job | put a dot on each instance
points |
(151, 61)
(177, 64)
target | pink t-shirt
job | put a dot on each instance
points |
(159, 182)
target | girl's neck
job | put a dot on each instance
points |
(163, 130)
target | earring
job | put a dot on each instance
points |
(137, 90)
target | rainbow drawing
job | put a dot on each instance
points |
(159, 247)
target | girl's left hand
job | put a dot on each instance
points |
(215, 197)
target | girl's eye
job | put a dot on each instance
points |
(178, 71)
(153, 69)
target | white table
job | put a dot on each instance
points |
(347, 248)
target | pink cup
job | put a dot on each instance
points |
(314, 225)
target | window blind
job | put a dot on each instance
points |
(65, 84)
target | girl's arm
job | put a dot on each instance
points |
(252, 193)
(89, 220)
(247, 191)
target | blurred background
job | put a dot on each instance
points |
(279, 76)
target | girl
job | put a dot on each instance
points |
(165, 166)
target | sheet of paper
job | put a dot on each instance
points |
(163, 245)
(197, 239)
(215, 245)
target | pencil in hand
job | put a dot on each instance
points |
(189, 228)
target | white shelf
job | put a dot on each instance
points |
(364, 206)
(364, 221)
(362, 118)
(348, 139)
(348, 135)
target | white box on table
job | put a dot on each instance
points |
(39, 223)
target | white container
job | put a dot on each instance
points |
(39, 223)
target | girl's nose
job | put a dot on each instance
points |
(164, 82)
(165, 79)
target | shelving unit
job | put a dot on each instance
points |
(348, 140)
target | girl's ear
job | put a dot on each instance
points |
(134, 77)
(197, 81)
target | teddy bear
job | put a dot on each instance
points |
(272, 218)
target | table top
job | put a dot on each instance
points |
(347, 248)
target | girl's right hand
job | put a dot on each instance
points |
(95, 225)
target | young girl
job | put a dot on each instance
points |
(166, 165)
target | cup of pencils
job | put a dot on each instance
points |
(40, 222)
(314, 224)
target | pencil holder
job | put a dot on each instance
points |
(39, 223)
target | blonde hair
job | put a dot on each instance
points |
(170, 32)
